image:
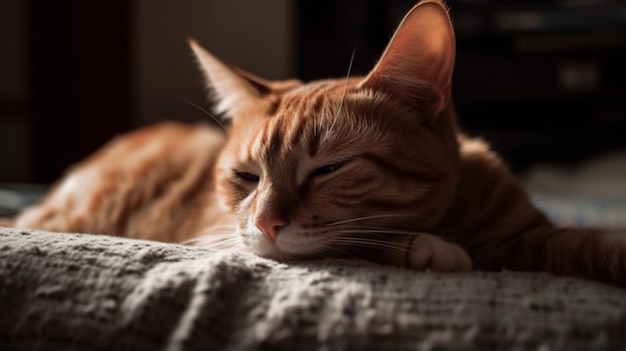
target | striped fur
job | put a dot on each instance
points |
(373, 167)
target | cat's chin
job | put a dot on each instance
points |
(271, 251)
(284, 249)
(268, 249)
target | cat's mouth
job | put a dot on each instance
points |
(301, 245)
(290, 244)
(360, 236)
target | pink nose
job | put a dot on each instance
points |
(270, 226)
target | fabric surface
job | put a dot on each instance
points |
(84, 292)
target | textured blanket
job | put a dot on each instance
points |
(87, 292)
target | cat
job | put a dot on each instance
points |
(373, 167)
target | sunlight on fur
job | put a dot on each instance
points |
(371, 167)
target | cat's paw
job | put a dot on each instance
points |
(429, 252)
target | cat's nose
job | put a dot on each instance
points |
(270, 226)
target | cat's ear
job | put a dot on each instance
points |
(235, 89)
(418, 62)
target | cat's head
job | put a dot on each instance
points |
(313, 168)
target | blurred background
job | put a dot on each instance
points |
(543, 80)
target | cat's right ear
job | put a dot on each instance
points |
(418, 62)
(235, 89)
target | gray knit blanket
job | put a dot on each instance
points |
(88, 292)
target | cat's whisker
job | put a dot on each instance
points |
(317, 122)
(217, 235)
(366, 218)
(362, 242)
(220, 231)
(213, 240)
(329, 249)
(380, 230)
(365, 239)
(194, 241)
(221, 226)
(213, 117)
(376, 231)
(398, 248)
(366, 228)
(223, 247)
(345, 90)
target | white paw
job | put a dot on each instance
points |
(430, 252)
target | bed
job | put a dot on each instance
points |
(63, 291)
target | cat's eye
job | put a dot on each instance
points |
(248, 177)
(328, 168)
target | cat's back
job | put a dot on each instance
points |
(162, 148)
(144, 179)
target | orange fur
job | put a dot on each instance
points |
(155, 183)
(371, 166)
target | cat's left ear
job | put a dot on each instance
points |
(418, 62)
(235, 89)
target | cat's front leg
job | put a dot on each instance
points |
(428, 252)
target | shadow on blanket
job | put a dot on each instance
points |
(87, 292)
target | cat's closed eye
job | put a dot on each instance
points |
(248, 177)
(328, 168)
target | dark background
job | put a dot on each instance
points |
(544, 81)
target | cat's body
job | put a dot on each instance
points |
(155, 183)
(373, 167)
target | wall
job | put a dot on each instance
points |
(254, 35)
(15, 153)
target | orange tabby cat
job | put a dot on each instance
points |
(373, 167)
